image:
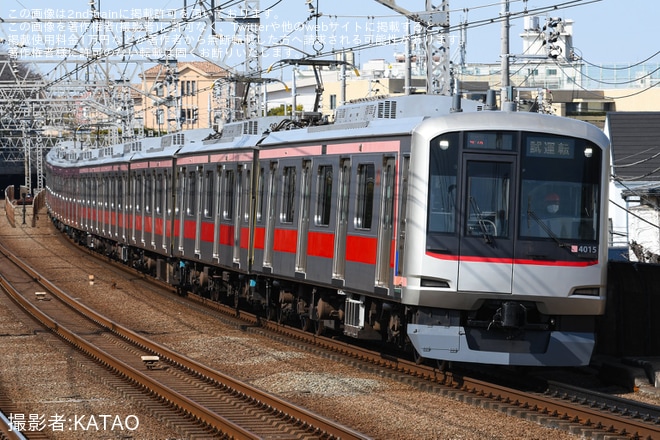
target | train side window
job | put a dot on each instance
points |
(208, 194)
(365, 198)
(228, 202)
(111, 191)
(102, 192)
(120, 191)
(148, 192)
(246, 198)
(324, 200)
(288, 194)
(158, 199)
(167, 187)
(442, 184)
(260, 195)
(192, 193)
(138, 192)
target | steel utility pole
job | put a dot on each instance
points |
(504, 94)
(438, 72)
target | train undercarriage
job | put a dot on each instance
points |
(499, 328)
(312, 308)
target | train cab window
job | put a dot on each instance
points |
(443, 168)
(559, 195)
(208, 194)
(490, 140)
(324, 200)
(489, 185)
(288, 194)
(365, 198)
(228, 202)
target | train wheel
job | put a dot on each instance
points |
(305, 322)
(443, 365)
(419, 359)
(319, 328)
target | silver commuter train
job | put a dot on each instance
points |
(472, 236)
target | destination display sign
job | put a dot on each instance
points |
(558, 148)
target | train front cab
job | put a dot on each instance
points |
(490, 278)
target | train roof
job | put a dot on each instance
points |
(67, 154)
(525, 121)
(368, 118)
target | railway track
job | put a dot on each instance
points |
(201, 402)
(586, 417)
(577, 410)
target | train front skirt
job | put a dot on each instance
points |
(564, 349)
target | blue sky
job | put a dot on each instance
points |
(605, 31)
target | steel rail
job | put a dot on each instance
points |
(315, 422)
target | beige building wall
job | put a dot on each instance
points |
(184, 92)
(635, 100)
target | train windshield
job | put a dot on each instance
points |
(553, 183)
(559, 194)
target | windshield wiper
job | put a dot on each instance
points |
(488, 238)
(546, 228)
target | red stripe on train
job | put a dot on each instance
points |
(285, 240)
(474, 259)
(321, 244)
(361, 249)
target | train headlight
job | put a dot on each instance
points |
(444, 144)
(588, 152)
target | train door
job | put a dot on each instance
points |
(236, 217)
(196, 207)
(121, 204)
(100, 204)
(114, 207)
(180, 207)
(139, 206)
(207, 210)
(217, 182)
(386, 224)
(401, 220)
(227, 215)
(258, 216)
(150, 206)
(97, 203)
(245, 239)
(142, 222)
(270, 216)
(159, 226)
(339, 261)
(486, 243)
(134, 205)
(166, 204)
(303, 221)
